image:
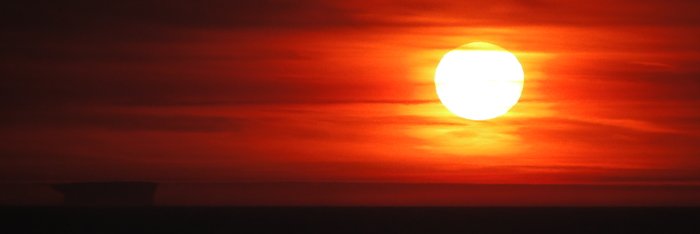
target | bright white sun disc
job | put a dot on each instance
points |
(479, 81)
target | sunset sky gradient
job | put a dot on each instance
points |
(342, 91)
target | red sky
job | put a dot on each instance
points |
(342, 91)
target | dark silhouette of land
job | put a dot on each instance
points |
(122, 207)
(351, 219)
(108, 193)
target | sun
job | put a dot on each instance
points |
(479, 81)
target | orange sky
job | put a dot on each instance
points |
(317, 91)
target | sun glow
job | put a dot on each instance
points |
(479, 81)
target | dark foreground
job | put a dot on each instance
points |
(348, 220)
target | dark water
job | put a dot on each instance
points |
(349, 220)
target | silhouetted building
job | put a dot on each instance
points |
(108, 193)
